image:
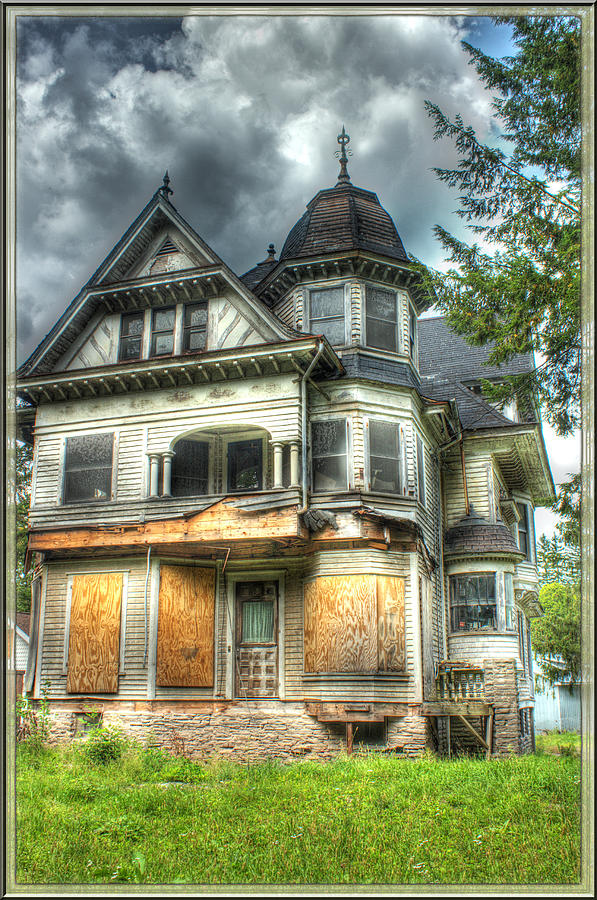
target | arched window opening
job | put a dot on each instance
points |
(190, 468)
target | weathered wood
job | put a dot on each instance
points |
(489, 734)
(256, 663)
(94, 635)
(185, 652)
(472, 730)
(340, 632)
(465, 708)
(390, 624)
(427, 638)
(349, 738)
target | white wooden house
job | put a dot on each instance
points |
(273, 514)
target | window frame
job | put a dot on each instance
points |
(236, 439)
(528, 530)
(187, 330)
(154, 333)
(400, 459)
(421, 486)
(347, 454)
(308, 318)
(413, 334)
(132, 314)
(509, 603)
(491, 629)
(63, 501)
(364, 318)
(209, 473)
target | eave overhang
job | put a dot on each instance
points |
(528, 446)
(292, 272)
(269, 359)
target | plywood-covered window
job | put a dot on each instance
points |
(190, 468)
(327, 314)
(93, 648)
(329, 446)
(382, 319)
(354, 623)
(186, 610)
(88, 467)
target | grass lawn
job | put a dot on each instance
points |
(363, 819)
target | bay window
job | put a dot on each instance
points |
(382, 319)
(329, 446)
(473, 604)
(385, 463)
(327, 314)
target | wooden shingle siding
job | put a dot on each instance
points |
(94, 634)
(185, 651)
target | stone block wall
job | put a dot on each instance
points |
(241, 732)
(501, 691)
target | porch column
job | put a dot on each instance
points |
(167, 481)
(277, 464)
(294, 464)
(154, 462)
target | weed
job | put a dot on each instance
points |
(33, 720)
(104, 745)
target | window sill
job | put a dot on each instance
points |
(480, 632)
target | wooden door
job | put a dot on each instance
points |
(256, 639)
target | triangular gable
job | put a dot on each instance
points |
(139, 249)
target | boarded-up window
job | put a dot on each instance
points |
(354, 623)
(94, 634)
(185, 653)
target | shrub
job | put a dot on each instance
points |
(33, 721)
(104, 745)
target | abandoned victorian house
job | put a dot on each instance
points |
(275, 514)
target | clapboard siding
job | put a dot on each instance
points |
(285, 309)
(476, 648)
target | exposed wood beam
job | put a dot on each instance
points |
(138, 382)
(257, 366)
(337, 268)
(187, 376)
(90, 387)
(132, 300)
(324, 269)
(169, 377)
(239, 369)
(74, 389)
(275, 364)
(203, 372)
(105, 384)
(154, 379)
(310, 271)
(185, 289)
(473, 731)
(221, 371)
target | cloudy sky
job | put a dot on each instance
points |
(244, 112)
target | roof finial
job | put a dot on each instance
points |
(271, 252)
(165, 188)
(343, 140)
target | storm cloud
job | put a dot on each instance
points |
(243, 111)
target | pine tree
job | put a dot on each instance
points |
(521, 288)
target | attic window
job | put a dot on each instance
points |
(162, 331)
(131, 336)
(195, 327)
(88, 467)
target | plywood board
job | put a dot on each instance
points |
(390, 624)
(94, 634)
(185, 652)
(340, 619)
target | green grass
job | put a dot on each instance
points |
(559, 742)
(360, 820)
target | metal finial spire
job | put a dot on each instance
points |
(165, 188)
(271, 252)
(343, 140)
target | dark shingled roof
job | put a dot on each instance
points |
(478, 537)
(256, 275)
(340, 219)
(448, 364)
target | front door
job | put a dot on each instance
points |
(256, 639)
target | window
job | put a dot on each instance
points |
(509, 602)
(190, 468)
(328, 455)
(88, 467)
(131, 336)
(381, 319)
(162, 331)
(195, 327)
(326, 314)
(420, 470)
(412, 333)
(472, 602)
(524, 530)
(245, 465)
(384, 458)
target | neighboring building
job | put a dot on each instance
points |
(18, 641)
(273, 514)
(558, 705)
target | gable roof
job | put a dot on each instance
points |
(114, 272)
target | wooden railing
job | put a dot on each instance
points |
(457, 681)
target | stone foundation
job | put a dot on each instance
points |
(501, 691)
(243, 732)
